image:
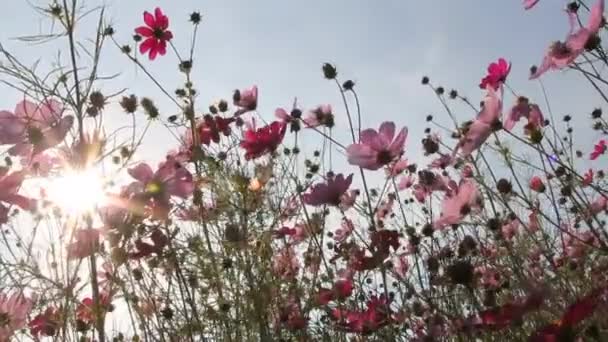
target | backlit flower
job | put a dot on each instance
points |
(155, 34)
(14, 310)
(328, 193)
(377, 148)
(257, 142)
(497, 74)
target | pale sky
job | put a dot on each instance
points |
(385, 46)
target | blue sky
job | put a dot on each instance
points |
(385, 46)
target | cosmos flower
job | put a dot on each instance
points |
(246, 99)
(257, 142)
(528, 4)
(598, 150)
(328, 193)
(561, 54)
(497, 74)
(377, 148)
(155, 34)
(14, 309)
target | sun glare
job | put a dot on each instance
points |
(77, 191)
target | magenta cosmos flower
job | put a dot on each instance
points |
(598, 150)
(155, 34)
(377, 148)
(561, 54)
(14, 310)
(257, 142)
(329, 193)
(497, 74)
(528, 4)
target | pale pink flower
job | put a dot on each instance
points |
(459, 204)
(400, 266)
(533, 222)
(285, 263)
(562, 54)
(528, 4)
(246, 99)
(523, 108)
(349, 199)
(320, 116)
(510, 229)
(385, 208)
(467, 171)
(34, 128)
(478, 131)
(10, 183)
(405, 182)
(345, 230)
(14, 310)
(377, 148)
(85, 244)
(397, 168)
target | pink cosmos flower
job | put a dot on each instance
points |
(497, 74)
(257, 142)
(157, 242)
(598, 149)
(86, 243)
(528, 4)
(385, 208)
(588, 178)
(377, 148)
(478, 131)
(401, 266)
(397, 168)
(524, 109)
(536, 184)
(34, 128)
(46, 323)
(341, 290)
(246, 100)
(9, 186)
(510, 229)
(533, 222)
(285, 263)
(345, 230)
(376, 315)
(329, 193)
(14, 310)
(459, 204)
(85, 310)
(405, 182)
(157, 188)
(562, 54)
(348, 200)
(429, 182)
(210, 127)
(155, 33)
(320, 116)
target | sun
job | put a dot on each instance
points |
(77, 192)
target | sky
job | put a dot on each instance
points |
(384, 46)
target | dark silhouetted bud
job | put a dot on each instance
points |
(425, 80)
(195, 18)
(348, 85)
(97, 99)
(429, 118)
(150, 108)
(453, 94)
(222, 106)
(108, 31)
(440, 90)
(185, 66)
(427, 230)
(329, 71)
(504, 186)
(567, 118)
(129, 104)
(597, 113)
